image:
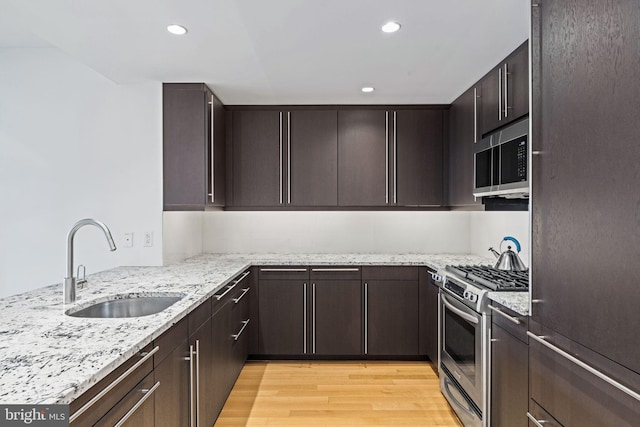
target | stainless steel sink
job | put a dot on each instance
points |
(126, 306)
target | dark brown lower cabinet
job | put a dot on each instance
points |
(205, 387)
(282, 317)
(172, 397)
(336, 317)
(143, 416)
(391, 316)
(221, 339)
(428, 317)
(509, 379)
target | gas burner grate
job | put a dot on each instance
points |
(492, 278)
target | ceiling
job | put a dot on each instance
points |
(281, 51)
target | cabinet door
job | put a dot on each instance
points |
(205, 386)
(185, 146)
(392, 318)
(256, 158)
(336, 317)
(313, 158)
(517, 83)
(172, 397)
(492, 100)
(363, 163)
(143, 416)
(241, 324)
(509, 379)
(283, 317)
(221, 357)
(216, 185)
(418, 144)
(463, 123)
(585, 269)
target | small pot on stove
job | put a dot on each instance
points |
(509, 260)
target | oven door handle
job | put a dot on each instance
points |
(456, 310)
(467, 409)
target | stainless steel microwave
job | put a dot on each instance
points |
(501, 162)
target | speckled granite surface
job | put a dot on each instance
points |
(49, 357)
(516, 301)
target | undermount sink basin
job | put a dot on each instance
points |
(129, 305)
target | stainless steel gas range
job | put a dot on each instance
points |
(464, 336)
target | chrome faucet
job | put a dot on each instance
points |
(69, 289)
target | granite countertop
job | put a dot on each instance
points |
(516, 301)
(49, 357)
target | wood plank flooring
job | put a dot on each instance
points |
(337, 394)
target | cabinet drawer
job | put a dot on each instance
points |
(537, 415)
(390, 273)
(169, 340)
(85, 414)
(335, 273)
(286, 272)
(514, 323)
(231, 290)
(136, 409)
(200, 315)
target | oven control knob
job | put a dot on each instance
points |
(470, 296)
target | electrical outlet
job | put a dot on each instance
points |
(128, 240)
(148, 239)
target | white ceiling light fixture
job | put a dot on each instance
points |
(390, 27)
(368, 89)
(176, 29)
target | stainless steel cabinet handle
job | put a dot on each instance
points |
(244, 292)
(304, 317)
(542, 340)
(475, 114)
(229, 289)
(246, 273)
(386, 156)
(244, 325)
(499, 93)
(280, 148)
(134, 408)
(505, 315)
(335, 270)
(110, 387)
(197, 354)
(288, 157)
(456, 310)
(313, 317)
(506, 91)
(213, 155)
(395, 157)
(366, 318)
(283, 270)
(536, 421)
(192, 411)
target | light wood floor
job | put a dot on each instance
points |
(337, 394)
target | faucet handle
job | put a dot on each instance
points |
(81, 280)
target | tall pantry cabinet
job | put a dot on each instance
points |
(583, 338)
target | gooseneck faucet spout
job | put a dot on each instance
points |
(69, 289)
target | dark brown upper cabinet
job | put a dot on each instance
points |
(257, 158)
(193, 126)
(505, 91)
(418, 144)
(312, 158)
(363, 157)
(463, 134)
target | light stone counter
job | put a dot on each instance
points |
(49, 357)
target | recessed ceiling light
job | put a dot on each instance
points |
(367, 89)
(390, 27)
(176, 29)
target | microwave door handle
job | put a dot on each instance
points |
(456, 310)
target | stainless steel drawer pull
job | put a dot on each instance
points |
(280, 150)
(542, 340)
(246, 273)
(244, 292)
(456, 310)
(192, 374)
(147, 394)
(475, 114)
(304, 317)
(244, 325)
(386, 157)
(213, 154)
(229, 289)
(536, 421)
(500, 93)
(366, 317)
(110, 387)
(283, 270)
(335, 270)
(505, 315)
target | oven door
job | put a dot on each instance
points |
(461, 346)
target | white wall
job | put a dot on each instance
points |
(73, 145)
(488, 228)
(182, 235)
(336, 232)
